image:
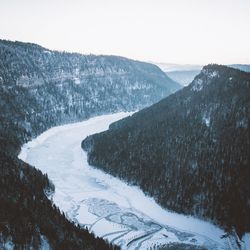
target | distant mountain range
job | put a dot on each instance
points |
(183, 77)
(185, 73)
(189, 151)
(242, 67)
(169, 67)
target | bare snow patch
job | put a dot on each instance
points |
(206, 119)
(210, 74)
(44, 243)
(197, 85)
(77, 80)
(8, 245)
(213, 74)
(246, 241)
(47, 52)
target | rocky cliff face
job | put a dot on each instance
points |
(190, 151)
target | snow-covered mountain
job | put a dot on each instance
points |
(40, 88)
(189, 151)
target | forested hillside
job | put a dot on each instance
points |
(189, 151)
(40, 88)
(28, 218)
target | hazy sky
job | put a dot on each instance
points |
(177, 31)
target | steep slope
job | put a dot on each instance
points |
(27, 216)
(40, 88)
(190, 151)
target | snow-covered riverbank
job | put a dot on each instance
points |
(109, 207)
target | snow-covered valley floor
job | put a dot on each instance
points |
(109, 207)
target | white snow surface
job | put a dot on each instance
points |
(246, 241)
(44, 243)
(9, 245)
(198, 85)
(109, 207)
(206, 119)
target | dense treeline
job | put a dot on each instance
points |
(40, 88)
(190, 151)
(26, 214)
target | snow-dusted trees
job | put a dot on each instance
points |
(186, 164)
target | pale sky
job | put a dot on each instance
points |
(173, 31)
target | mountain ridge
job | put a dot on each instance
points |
(72, 86)
(186, 147)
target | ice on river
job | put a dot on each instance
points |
(109, 207)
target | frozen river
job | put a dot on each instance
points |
(109, 207)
